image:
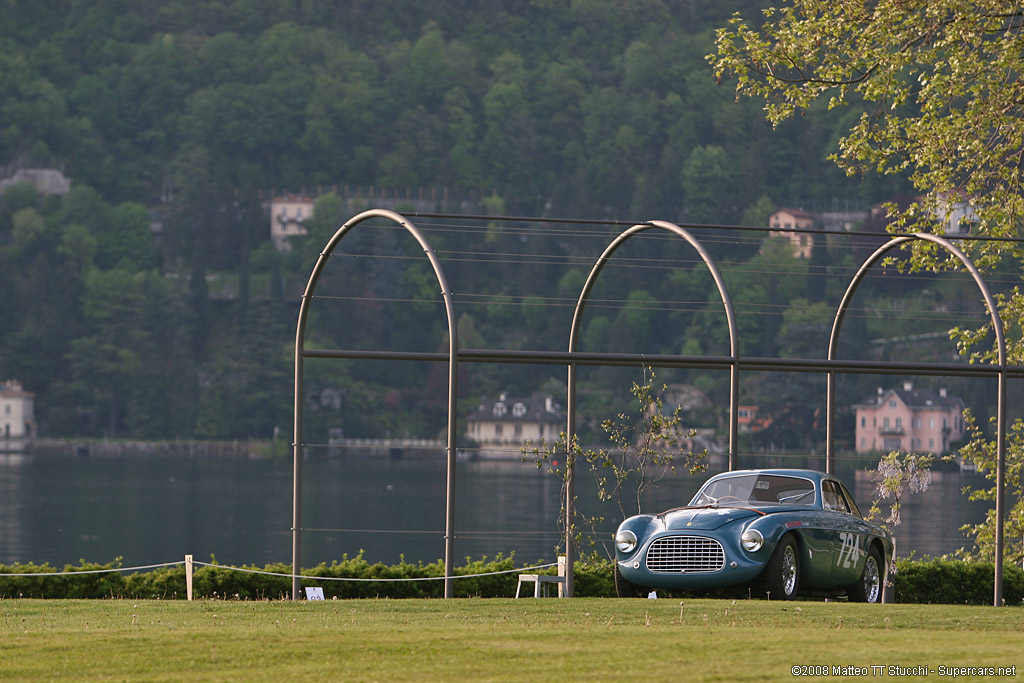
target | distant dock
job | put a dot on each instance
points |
(172, 447)
(393, 449)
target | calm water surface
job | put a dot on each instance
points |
(149, 510)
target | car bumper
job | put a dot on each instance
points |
(682, 560)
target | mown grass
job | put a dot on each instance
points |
(494, 639)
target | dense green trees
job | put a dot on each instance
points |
(545, 101)
(148, 301)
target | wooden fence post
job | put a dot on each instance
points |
(188, 576)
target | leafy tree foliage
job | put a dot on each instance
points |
(940, 85)
(982, 451)
(941, 81)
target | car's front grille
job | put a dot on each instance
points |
(685, 555)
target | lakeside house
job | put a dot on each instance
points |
(500, 426)
(17, 415)
(909, 419)
(792, 224)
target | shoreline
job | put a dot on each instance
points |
(179, 447)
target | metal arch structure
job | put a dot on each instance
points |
(573, 358)
(577, 317)
(300, 353)
(997, 328)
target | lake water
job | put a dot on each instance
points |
(148, 510)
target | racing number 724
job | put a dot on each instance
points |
(849, 550)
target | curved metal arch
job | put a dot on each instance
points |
(453, 350)
(997, 328)
(574, 341)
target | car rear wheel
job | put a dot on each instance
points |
(625, 588)
(869, 587)
(781, 576)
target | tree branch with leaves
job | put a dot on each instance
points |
(981, 451)
(941, 85)
(646, 447)
(898, 474)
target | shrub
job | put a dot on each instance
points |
(36, 582)
(593, 579)
(358, 568)
(227, 583)
(934, 581)
(166, 583)
(941, 581)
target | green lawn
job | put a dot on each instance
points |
(494, 639)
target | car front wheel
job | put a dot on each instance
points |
(781, 575)
(625, 588)
(869, 587)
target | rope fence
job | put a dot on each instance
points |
(190, 563)
(343, 578)
(36, 575)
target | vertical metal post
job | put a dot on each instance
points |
(734, 410)
(297, 448)
(997, 596)
(453, 386)
(570, 476)
(830, 427)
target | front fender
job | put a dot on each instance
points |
(643, 526)
(812, 541)
(739, 566)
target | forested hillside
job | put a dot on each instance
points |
(148, 301)
(593, 106)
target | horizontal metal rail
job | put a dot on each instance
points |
(695, 226)
(692, 362)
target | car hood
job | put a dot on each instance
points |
(705, 518)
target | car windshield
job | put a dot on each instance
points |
(756, 489)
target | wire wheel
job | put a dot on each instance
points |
(789, 570)
(781, 575)
(869, 587)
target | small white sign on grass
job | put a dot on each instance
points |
(314, 593)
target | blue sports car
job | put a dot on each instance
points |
(782, 532)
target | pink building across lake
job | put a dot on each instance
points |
(910, 420)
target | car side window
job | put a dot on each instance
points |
(832, 497)
(854, 510)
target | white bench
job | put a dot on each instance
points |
(542, 582)
(539, 581)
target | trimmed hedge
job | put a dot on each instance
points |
(223, 582)
(916, 581)
(955, 582)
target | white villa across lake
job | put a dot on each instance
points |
(17, 415)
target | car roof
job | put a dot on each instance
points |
(814, 475)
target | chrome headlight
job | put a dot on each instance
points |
(751, 540)
(625, 541)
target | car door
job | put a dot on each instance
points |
(849, 542)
